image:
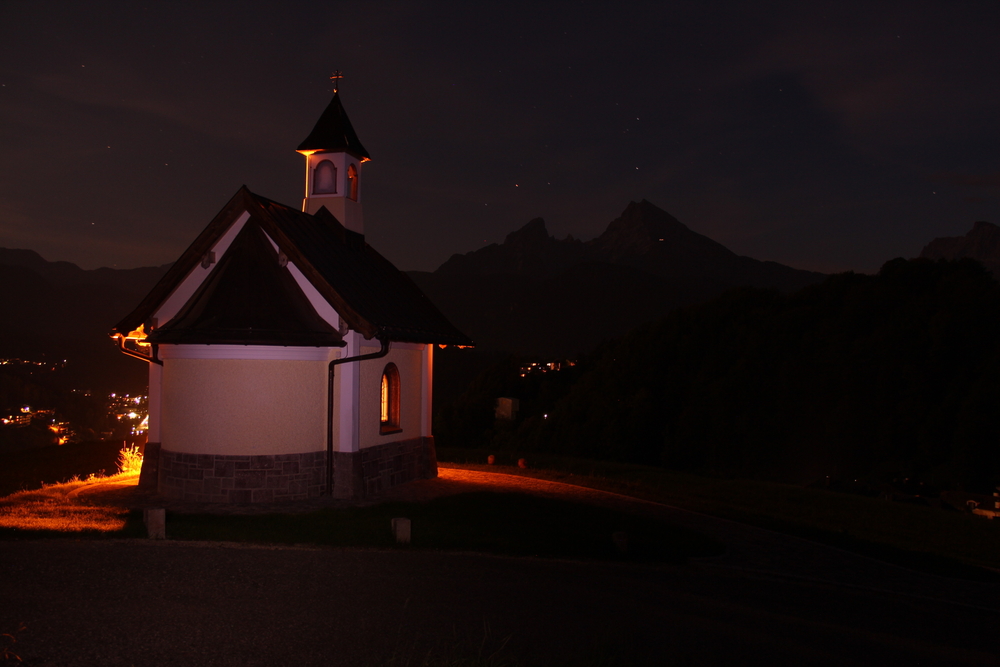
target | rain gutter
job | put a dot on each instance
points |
(153, 359)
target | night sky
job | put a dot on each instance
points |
(824, 137)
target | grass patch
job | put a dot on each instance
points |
(922, 538)
(500, 523)
(52, 511)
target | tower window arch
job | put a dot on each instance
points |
(352, 182)
(389, 414)
(325, 178)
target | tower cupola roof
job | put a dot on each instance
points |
(333, 132)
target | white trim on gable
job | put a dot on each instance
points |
(193, 280)
(316, 300)
(319, 304)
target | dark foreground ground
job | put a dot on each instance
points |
(770, 599)
(131, 602)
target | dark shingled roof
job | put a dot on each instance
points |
(370, 294)
(333, 132)
(249, 299)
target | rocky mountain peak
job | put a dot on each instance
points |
(531, 235)
(642, 228)
(643, 237)
(529, 250)
(981, 226)
(982, 243)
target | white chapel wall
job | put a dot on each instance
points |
(155, 402)
(409, 361)
(240, 406)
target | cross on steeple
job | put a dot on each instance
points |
(335, 78)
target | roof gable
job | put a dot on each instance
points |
(366, 290)
(251, 299)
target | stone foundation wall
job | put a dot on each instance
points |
(150, 473)
(217, 478)
(395, 463)
(221, 478)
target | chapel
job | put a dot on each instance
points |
(287, 358)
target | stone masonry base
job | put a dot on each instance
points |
(278, 477)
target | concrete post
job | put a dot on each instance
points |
(401, 530)
(156, 523)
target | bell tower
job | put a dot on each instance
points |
(334, 155)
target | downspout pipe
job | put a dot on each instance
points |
(329, 404)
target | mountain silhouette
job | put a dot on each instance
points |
(534, 294)
(982, 243)
(56, 310)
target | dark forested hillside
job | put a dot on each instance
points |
(56, 310)
(891, 375)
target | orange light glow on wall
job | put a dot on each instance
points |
(385, 399)
(138, 335)
(389, 413)
(352, 182)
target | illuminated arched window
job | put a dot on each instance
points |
(389, 416)
(352, 181)
(325, 178)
